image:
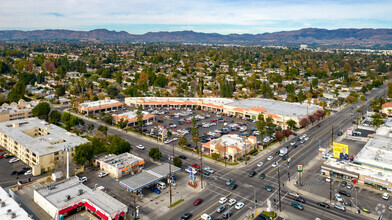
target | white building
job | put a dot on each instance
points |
(68, 197)
(10, 209)
(119, 165)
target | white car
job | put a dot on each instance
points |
(28, 173)
(231, 202)
(339, 197)
(193, 170)
(82, 179)
(209, 169)
(385, 196)
(328, 179)
(141, 147)
(306, 138)
(239, 205)
(275, 164)
(259, 164)
(222, 200)
(270, 158)
(102, 174)
(292, 143)
(13, 160)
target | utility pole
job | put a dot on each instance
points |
(170, 178)
(330, 190)
(279, 191)
(288, 165)
(201, 166)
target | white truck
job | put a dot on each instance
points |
(283, 151)
(205, 216)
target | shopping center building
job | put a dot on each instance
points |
(120, 165)
(372, 166)
(99, 106)
(280, 111)
(131, 117)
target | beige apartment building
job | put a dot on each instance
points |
(15, 111)
(37, 143)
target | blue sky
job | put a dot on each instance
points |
(211, 16)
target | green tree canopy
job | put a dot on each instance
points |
(83, 153)
(17, 92)
(112, 91)
(41, 110)
(177, 162)
(55, 117)
(291, 123)
(182, 141)
(155, 154)
(117, 145)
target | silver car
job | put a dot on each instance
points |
(220, 208)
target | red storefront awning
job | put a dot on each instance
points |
(100, 214)
(80, 204)
(122, 214)
(75, 206)
(65, 210)
(116, 217)
(89, 206)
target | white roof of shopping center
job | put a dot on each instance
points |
(56, 194)
(377, 151)
(218, 101)
(131, 114)
(276, 107)
(53, 138)
(100, 103)
(11, 204)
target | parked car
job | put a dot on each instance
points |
(222, 200)
(227, 214)
(270, 157)
(197, 201)
(20, 172)
(13, 172)
(262, 176)
(297, 205)
(323, 204)
(182, 157)
(233, 186)
(385, 196)
(343, 184)
(13, 160)
(349, 186)
(102, 174)
(230, 181)
(338, 197)
(268, 188)
(28, 173)
(259, 164)
(82, 179)
(328, 179)
(220, 208)
(345, 193)
(231, 202)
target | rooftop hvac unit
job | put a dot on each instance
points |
(2, 204)
(13, 215)
(9, 211)
(68, 197)
(80, 191)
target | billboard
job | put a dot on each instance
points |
(340, 151)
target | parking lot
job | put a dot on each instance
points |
(211, 125)
(6, 168)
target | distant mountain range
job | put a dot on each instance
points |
(343, 37)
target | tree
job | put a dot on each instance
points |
(312, 118)
(270, 126)
(291, 123)
(90, 127)
(55, 117)
(123, 123)
(155, 154)
(304, 122)
(389, 94)
(177, 162)
(112, 91)
(41, 110)
(59, 91)
(261, 125)
(215, 156)
(83, 153)
(279, 136)
(287, 133)
(194, 132)
(182, 141)
(377, 120)
(117, 145)
(108, 119)
(17, 92)
(103, 129)
(139, 115)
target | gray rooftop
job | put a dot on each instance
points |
(50, 138)
(148, 177)
(120, 160)
(377, 152)
(57, 194)
(11, 204)
(276, 107)
(18, 107)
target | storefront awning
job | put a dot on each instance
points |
(353, 175)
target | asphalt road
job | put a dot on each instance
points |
(247, 185)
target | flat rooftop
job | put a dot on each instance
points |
(220, 101)
(56, 194)
(18, 107)
(38, 136)
(11, 204)
(100, 103)
(377, 152)
(131, 114)
(120, 160)
(148, 177)
(276, 107)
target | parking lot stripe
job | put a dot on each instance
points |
(205, 210)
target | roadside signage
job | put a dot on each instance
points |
(299, 168)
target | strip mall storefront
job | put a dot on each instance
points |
(338, 173)
(90, 207)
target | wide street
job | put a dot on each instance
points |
(217, 188)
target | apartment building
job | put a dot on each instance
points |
(37, 143)
(14, 111)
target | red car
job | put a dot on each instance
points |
(213, 120)
(196, 166)
(197, 201)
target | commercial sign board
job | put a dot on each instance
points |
(299, 168)
(340, 151)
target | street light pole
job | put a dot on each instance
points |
(255, 200)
